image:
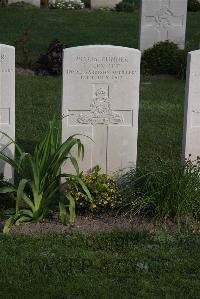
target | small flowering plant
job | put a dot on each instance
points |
(68, 4)
(103, 189)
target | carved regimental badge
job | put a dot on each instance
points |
(163, 18)
(100, 111)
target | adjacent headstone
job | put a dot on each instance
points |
(191, 132)
(7, 105)
(96, 4)
(162, 20)
(101, 97)
(33, 2)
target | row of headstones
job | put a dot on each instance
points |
(101, 99)
(108, 3)
(160, 20)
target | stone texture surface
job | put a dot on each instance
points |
(104, 3)
(101, 97)
(162, 20)
(191, 133)
(7, 104)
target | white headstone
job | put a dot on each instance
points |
(96, 4)
(33, 2)
(7, 105)
(191, 133)
(101, 97)
(162, 20)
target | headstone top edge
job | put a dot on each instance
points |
(101, 46)
(6, 46)
(195, 52)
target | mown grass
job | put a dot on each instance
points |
(115, 265)
(160, 119)
(38, 99)
(75, 28)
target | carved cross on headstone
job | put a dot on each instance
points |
(163, 20)
(101, 118)
(101, 97)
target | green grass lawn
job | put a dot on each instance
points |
(115, 265)
(160, 119)
(75, 28)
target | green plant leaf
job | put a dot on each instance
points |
(7, 189)
(41, 172)
(26, 212)
(63, 213)
(85, 189)
(18, 148)
(9, 222)
(28, 201)
(20, 192)
(21, 160)
(75, 164)
(72, 211)
(80, 149)
(23, 219)
(10, 161)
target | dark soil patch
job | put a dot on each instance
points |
(24, 71)
(94, 223)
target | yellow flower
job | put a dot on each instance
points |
(93, 206)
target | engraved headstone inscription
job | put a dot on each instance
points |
(162, 20)
(7, 105)
(101, 99)
(191, 131)
(96, 4)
